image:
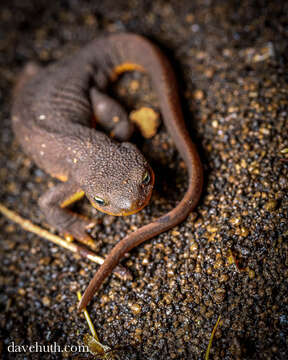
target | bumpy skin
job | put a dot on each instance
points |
(53, 108)
(52, 114)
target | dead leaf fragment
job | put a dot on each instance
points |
(147, 120)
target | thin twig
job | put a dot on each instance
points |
(88, 319)
(211, 338)
(103, 349)
(120, 271)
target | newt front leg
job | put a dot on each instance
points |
(53, 203)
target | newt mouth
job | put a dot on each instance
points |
(133, 209)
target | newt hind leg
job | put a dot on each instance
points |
(111, 116)
(53, 203)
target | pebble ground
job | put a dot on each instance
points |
(230, 257)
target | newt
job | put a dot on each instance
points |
(54, 114)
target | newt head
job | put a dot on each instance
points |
(125, 183)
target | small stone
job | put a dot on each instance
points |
(219, 295)
(270, 205)
(21, 291)
(251, 273)
(193, 246)
(69, 238)
(218, 263)
(235, 220)
(212, 229)
(244, 231)
(198, 94)
(215, 124)
(223, 278)
(10, 228)
(104, 299)
(46, 301)
(135, 308)
(108, 220)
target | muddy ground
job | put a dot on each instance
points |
(229, 258)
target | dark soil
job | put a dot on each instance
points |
(230, 257)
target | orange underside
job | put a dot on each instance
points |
(73, 198)
(124, 213)
(63, 178)
(121, 68)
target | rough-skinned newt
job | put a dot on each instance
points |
(53, 117)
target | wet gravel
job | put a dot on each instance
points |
(230, 257)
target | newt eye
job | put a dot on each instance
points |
(146, 178)
(99, 201)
